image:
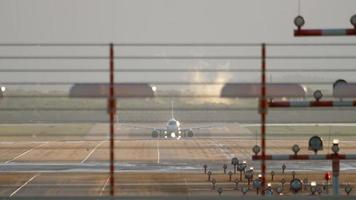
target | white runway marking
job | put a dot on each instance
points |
(26, 152)
(158, 153)
(7, 142)
(27, 182)
(74, 142)
(224, 149)
(104, 186)
(188, 189)
(92, 151)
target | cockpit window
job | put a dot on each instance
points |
(172, 123)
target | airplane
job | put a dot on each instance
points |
(173, 129)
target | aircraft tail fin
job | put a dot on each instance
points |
(172, 111)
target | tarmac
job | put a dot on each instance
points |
(145, 166)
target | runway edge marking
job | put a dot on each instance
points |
(188, 189)
(92, 151)
(26, 152)
(158, 153)
(23, 185)
(104, 186)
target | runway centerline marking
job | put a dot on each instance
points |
(104, 186)
(92, 151)
(158, 153)
(26, 152)
(23, 185)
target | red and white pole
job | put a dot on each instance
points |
(263, 112)
(299, 104)
(299, 32)
(112, 110)
(324, 32)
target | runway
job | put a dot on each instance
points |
(144, 166)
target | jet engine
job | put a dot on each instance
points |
(155, 133)
(190, 133)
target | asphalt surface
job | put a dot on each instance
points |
(32, 163)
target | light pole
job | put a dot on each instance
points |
(2, 89)
(234, 162)
(335, 167)
(315, 144)
(249, 175)
(225, 167)
(313, 187)
(241, 167)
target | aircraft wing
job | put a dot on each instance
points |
(205, 127)
(139, 127)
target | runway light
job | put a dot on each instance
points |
(284, 167)
(256, 149)
(313, 183)
(313, 188)
(318, 95)
(249, 174)
(3, 89)
(296, 185)
(279, 190)
(299, 21)
(257, 184)
(173, 134)
(241, 166)
(353, 20)
(348, 189)
(269, 191)
(295, 149)
(315, 144)
(234, 161)
(335, 148)
(336, 141)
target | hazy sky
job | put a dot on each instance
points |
(167, 20)
(247, 21)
